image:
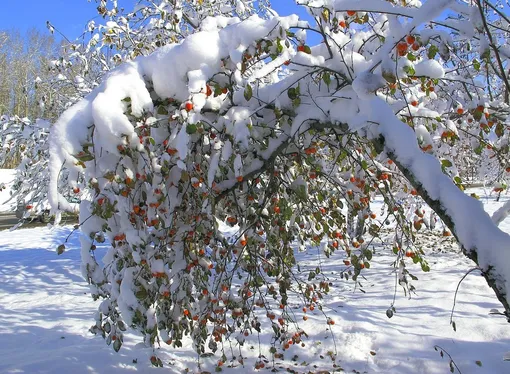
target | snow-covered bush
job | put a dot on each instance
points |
(208, 161)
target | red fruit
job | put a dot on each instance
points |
(29, 207)
(415, 46)
(188, 106)
(208, 91)
(342, 24)
(301, 48)
(410, 39)
(76, 190)
(460, 111)
(402, 46)
(287, 63)
(350, 13)
(414, 103)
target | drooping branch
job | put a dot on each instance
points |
(438, 208)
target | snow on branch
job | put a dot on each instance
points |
(479, 236)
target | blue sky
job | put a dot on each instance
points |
(71, 16)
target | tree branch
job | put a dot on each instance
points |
(436, 206)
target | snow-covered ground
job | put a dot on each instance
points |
(45, 314)
(6, 178)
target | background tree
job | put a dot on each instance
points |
(24, 61)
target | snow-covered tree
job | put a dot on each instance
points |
(206, 162)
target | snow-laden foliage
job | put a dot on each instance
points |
(83, 62)
(244, 127)
(26, 144)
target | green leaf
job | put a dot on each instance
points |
(86, 157)
(477, 115)
(476, 64)
(486, 54)
(431, 53)
(389, 76)
(389, 313)
(121, 325)
(478, 362)
(411, 57)
(162, 110)
(141, 294)
(291, 93)
(446, 163)
(116, 345)
(248, 92)
(191, 128)
(320, 197)
(326, 78)
(368, 254)
(61, 249)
